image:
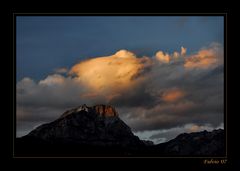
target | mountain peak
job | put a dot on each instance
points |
(98, 125)
(100, 109)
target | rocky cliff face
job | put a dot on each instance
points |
(101, 110)
(105, 110)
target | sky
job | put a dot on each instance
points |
(164, 74)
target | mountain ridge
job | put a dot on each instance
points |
(98, 131)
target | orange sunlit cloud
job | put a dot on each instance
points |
(183, 51)
(173, 95)
(204, 58)
(111, 73)
(176, 55)
(194, 128)
(165, 58)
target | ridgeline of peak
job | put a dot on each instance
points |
(101, 110)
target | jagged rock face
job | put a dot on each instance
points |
(103, 110)
(97, 125)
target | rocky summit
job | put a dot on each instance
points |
(87, 130)
(98, 131)
(98, 125)
(101, 110)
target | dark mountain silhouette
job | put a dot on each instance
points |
(202, 143)
(98, 131)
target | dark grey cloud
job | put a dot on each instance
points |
(203, 102)
(139, 96)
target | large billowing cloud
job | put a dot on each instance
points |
(165, 91)
(112, 74)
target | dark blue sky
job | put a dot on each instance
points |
(46, 43)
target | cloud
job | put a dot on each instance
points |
(205, 58)
(172, 95)
(166, 58)
(98, 80)
(150, 93)
(53, 80)
(54, 91)
(112, 73)
(180, 95)
(62, 70)
(176, 55)
(162, 57)
(183, 51)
